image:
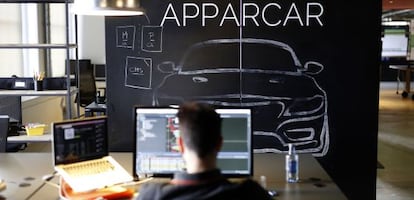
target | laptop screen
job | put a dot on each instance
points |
(80, 140)
(157, 152)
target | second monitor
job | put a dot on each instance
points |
(157, 153)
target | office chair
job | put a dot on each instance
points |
(87, 86)
(4, 133)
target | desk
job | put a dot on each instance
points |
(16, 167)
(47, 137)
(408, 69)
(34, 93)
(94, 107)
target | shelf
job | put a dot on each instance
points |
(46, 137)
(36, 46)
(36, 93)
(36, 1)
(69, 91)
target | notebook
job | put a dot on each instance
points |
(81, 155)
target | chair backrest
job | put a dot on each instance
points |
(4, 129)
(87, 85)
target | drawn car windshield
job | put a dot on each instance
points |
(227, 56)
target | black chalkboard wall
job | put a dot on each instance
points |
(309, 70)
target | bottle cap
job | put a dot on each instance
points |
(292, 149)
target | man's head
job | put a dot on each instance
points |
(200, 128)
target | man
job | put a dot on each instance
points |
(200, 140)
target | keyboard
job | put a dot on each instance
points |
(89, 168)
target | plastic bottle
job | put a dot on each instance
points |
(292, 165)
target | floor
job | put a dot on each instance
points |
(395, 145)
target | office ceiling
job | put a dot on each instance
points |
(396, 10)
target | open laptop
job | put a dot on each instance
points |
(81, 156)
(157, 153)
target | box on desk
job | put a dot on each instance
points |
(35, 129)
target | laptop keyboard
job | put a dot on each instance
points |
(89, 168)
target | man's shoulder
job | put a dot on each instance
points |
(247, 189)
(150, 190)
(250, 183)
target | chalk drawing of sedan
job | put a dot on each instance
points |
(288, 105)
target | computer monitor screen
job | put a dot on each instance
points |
(99, 71)
(157, 153)
(11, 106)
(79, 140)
(395, 41)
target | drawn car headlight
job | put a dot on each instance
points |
(305, 106)
(200, 79)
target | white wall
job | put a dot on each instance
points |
(91, 38)
(46, 109)
(42, 110)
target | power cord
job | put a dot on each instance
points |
(46, 180)
(132, 183)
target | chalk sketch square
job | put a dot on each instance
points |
(151, 38)
(125, 37)
(138, 72)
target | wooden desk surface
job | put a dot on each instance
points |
(20, 169)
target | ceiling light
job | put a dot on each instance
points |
(108, 7)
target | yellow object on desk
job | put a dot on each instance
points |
(35, 129)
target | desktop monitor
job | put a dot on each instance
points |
(395, 40)
(156, 150)
(99, 72)
(11, 106)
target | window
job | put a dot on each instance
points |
(22, 23)
(11, 60)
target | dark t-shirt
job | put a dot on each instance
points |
(202, 186)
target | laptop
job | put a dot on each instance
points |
(81, 155)
(156, 150)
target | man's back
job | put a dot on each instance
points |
(206, 186)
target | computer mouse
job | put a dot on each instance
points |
(272, 193)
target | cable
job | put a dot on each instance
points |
(34, 192)
(49, 177)
(136, 182)
(46, 179)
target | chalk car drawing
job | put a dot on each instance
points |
(287, 104)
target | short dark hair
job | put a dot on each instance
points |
(200, 127)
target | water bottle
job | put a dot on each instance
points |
(292, 165)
